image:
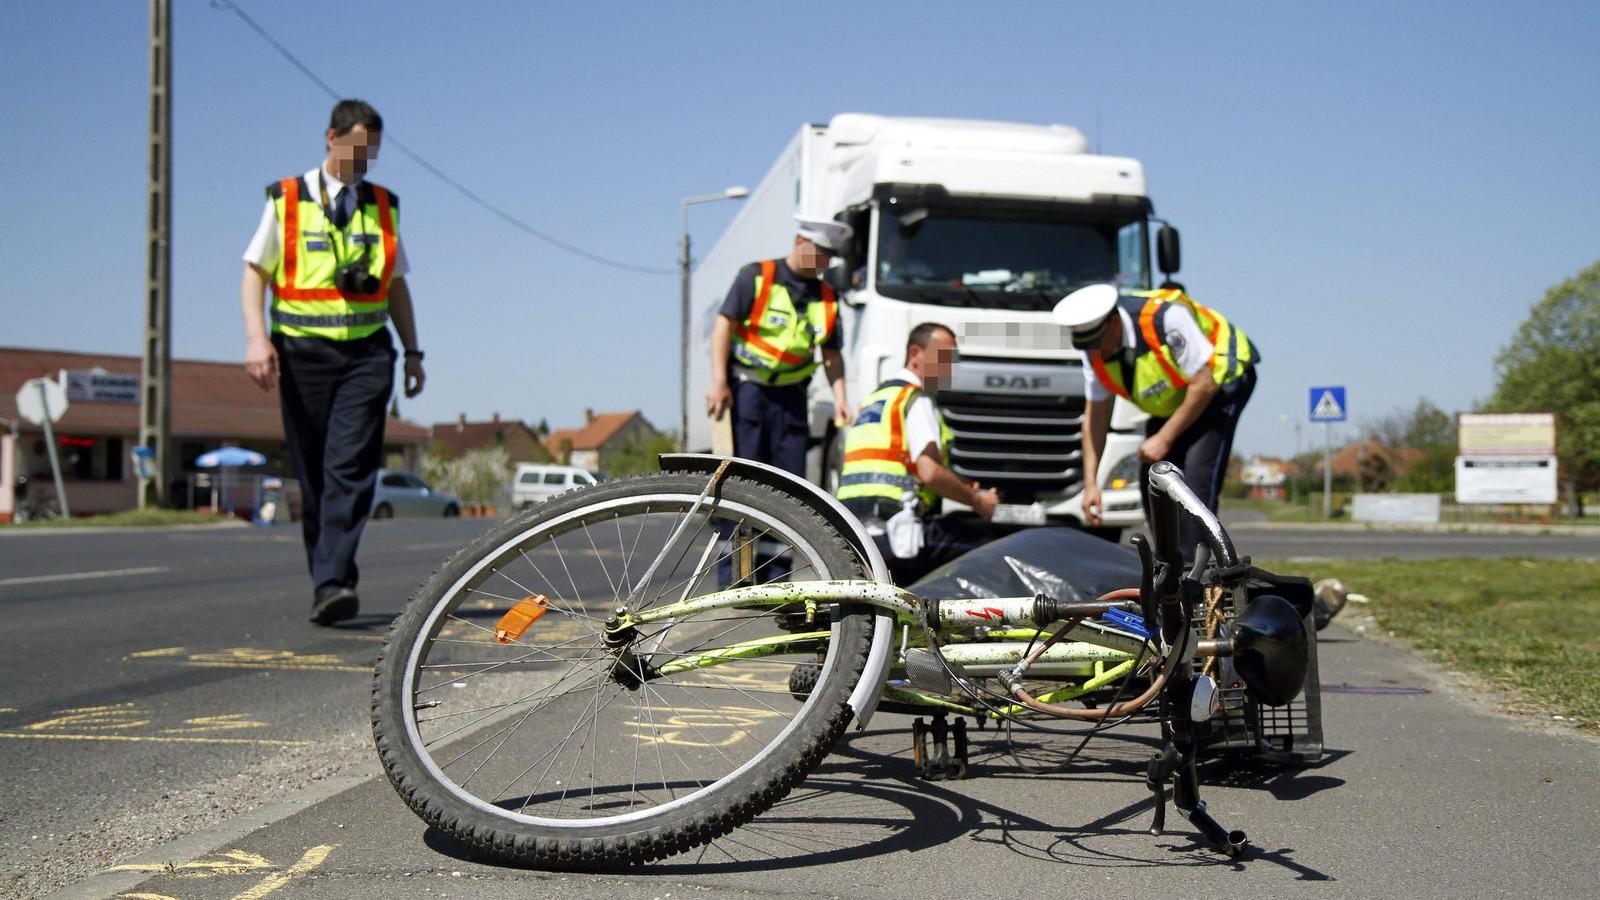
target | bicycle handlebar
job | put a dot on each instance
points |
(1171, 498)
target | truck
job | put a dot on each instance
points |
(981, 226)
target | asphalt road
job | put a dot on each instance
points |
(162, 683)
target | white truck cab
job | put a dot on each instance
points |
(982, 227)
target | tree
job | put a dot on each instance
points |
(1552, 364)
(1429, 432)
(638, 452)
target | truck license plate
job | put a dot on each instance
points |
(1019, 514)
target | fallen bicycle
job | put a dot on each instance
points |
(636, 668)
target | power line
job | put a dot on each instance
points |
(430, 168)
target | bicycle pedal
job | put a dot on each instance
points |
(938, 763)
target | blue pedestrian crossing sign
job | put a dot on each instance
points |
(1327, 404)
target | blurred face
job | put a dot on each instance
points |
(350, 153)
(808, 259)
(935, 362)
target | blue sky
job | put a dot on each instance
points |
(1375, 191)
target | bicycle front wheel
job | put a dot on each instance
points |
(558, 742)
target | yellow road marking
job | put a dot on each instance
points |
(313, 858)
(113, 717)
(234, 862)
(251, 658)
(49, 736)
(160, 651)
(229, 722)
(143, 896)
(691, 729)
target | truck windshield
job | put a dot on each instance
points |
(1003, 259)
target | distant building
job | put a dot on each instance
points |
(1265, 477)
(213, 404)
(1370, 464)
(451, 439)
(601, 435)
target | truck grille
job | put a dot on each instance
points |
(1028, 446)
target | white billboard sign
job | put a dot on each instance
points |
(1506, 479)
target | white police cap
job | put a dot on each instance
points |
(1086, 308)
(825, 233)
(1086, 311)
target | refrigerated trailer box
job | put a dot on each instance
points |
(980, 226)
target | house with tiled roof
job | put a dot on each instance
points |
(521, 441)
(213, 404)
(601, 434)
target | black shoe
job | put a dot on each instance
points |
(334, 603)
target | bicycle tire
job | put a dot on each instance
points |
(704, 815)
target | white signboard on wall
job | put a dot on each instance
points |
(100, 386)
(1395, 508)
(1505, 479)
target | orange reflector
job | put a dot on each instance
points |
(1118, 484)
(519, 617)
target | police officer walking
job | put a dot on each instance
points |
(895, 465)
(776, 315)
(1185, 365)
(329, 245)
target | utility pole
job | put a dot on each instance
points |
(685, 262)
(155, 396)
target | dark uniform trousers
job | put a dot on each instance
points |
(770, 424)
(1202, 451)
(335, 396)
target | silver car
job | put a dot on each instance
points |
(401, 493)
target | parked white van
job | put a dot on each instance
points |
(537, 482)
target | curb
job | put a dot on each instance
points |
(1420, 528)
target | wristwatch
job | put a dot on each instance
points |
(414, 354)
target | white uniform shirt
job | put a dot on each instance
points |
(922, 425)
(264, 250)
(1191, 349)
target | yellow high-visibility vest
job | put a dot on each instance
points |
(305, 302)
(775, 344)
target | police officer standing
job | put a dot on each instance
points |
(1187, 366)
(776, 315)
(329, 246)
(895, 464)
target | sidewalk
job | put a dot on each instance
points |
(1425, 792)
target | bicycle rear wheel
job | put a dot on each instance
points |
(570, 745)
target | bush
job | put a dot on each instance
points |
(474, 476)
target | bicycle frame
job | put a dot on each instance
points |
(1168, 598)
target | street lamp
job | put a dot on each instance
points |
(733, 193)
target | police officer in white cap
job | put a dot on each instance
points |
(1185, 365)
(765, 343)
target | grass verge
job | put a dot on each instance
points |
(130, 518)
(1530, 627)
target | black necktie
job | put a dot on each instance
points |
(344, 206)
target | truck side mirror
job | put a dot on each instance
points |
(838, 275)
(1167, 256)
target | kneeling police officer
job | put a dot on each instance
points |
(894, 468)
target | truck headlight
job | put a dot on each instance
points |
(1125, 473)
